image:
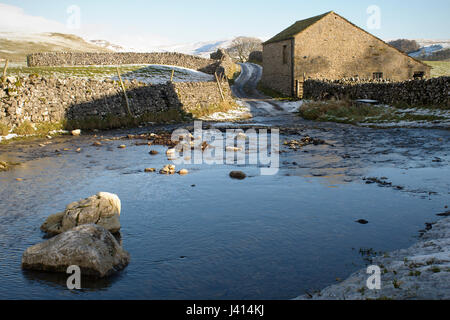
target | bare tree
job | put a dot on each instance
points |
(405, 45)
(242, 47)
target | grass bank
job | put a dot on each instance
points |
(204, 111)
(346, 111)
(26, 130)
(439, 68)
(274, 94)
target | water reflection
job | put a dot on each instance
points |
(59, 281)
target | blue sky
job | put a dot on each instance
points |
(183, 21)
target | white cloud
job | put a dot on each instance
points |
(14, 19)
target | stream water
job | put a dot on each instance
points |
(206, 236)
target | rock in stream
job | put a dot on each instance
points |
(90, 247)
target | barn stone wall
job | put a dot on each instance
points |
(428, 92)
(276, 74)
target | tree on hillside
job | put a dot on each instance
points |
(405, 45)
(241, 48)
(441, 55)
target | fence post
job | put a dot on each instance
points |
(124, 92)
(220, 87)
(4, 70)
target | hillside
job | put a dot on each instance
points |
(430, 48)
(16, 46)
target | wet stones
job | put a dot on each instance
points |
(444, 214)
(149, 170)
(4, 166)
(362, 221)
(76, 133)
(238, 175)
(171, 153)
(183, 172)
(382, 182)
(154, 152)
(168, 170)
(298, 144)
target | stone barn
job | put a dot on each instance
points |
(330, 47)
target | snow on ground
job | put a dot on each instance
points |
(291, 106)
(442, 122)
(155, 74)
(408, 124)
(145, 73)
(239, 113)
(8, 137)
(421, 272)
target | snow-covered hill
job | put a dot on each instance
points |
(203, 49)
(428, 47)
(15, 46)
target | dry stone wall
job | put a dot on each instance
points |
(120, 58)
(429, 92)
(201, 94)
(39, 99)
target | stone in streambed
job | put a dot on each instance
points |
(76, 133)
(238, 175)
(102, 209)
(91, 247)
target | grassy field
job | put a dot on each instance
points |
(143, 73)
(82, 72)
(440, 68)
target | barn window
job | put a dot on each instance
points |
(378, 75)
(419, 75)
(285, 55)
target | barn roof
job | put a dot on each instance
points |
(296, 28)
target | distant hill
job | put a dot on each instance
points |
(432, 50)
(16, 46)
(202, 49)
